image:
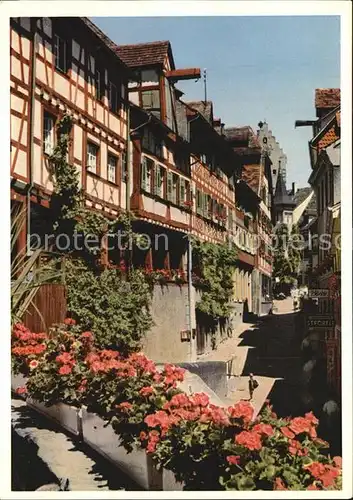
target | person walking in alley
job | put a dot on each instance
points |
(253, 384)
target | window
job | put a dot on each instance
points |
(150, 99)
(172, 187)
(159, 176)
(274, 171)
(100, 84)
(182, 191)
(48, 133)
(146, 174)
(151, 143)
(92, 157)
(112, 168)
(174, 198)
(113, 98)
(60, 56)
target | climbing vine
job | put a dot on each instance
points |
(214, 267)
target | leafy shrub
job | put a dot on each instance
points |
(117, 310)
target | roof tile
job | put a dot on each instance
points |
(144, 54)
(327, 98)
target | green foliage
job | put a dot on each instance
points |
(287, 254)
(216, 265)
(117, 310)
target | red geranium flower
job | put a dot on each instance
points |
(69, 322)
(65, 370)
(338, 462)
(311, 418)
(299, 425)
(243, 410)
(33, 364)
(287, 433)
(21, 390)
(250, 440)
(146, 391)
(125, 406)
(87, 335)
(233, 459)
(265, 429)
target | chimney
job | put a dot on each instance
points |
(293, 188)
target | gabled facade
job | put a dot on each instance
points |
(67, 66)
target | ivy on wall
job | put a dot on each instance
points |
(215, 263)
(114, 308)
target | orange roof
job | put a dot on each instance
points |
(251, 175)
(329, 138)
(327, 98)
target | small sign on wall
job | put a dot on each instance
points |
(185, 335)
(319, 293)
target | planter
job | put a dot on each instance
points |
(67, 416)
(17, 381)
(136, 464)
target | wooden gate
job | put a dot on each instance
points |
(50, 300)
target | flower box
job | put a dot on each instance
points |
(67, 416)
(137, 464)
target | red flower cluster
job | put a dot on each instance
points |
(163, 420)
(69, 322)
(125, 406)
(249, 439)
(106, 361)
(67, 362)
(147, 391)
(29, 350)
(21, 390)
(87, 336)
(287, 433)
(242, 410)
(233, 459)
(264, 429)
(295, 448)
(153, 439)
(325, 473)
(173, 374)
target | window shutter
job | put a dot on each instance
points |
(169, 186)
(157, 180)
(143, 173)
(181, 190)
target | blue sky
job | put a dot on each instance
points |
(257, 68)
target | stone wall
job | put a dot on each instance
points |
(169, 312)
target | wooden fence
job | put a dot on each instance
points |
(50, 300)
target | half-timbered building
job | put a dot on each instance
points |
(67, 66)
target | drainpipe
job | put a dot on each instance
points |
(192, 319)
(31, 134)
(127, 203)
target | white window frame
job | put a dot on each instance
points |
(147, 167)
(159, 176)
(57, 41)
(48, 133)
(92, 157)
(112, 168)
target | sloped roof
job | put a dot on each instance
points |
(145, 54)
(281, 195)
(103, 37)
(243, 139)
(327, 98)
(251, 175)
(205, 108)
(301, 195)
